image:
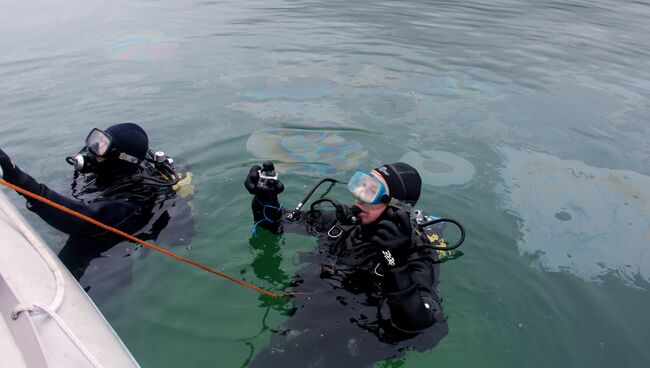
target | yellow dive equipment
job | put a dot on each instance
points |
(184, 188)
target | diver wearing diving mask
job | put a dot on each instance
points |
(369, 262)
(100, 146)
(118, 181)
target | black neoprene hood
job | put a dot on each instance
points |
(129, 138)
(404, 182)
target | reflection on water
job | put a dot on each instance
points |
(586, 220)
(145, 46)
(289, 110)
(439, 168)
(308, 152)
(300, 89)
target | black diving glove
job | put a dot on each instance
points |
(273, 187)
(9, 169)
(14, 175)
(393, 238)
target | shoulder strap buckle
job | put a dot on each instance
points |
(331, 233)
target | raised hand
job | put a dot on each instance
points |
(252, 183)
(7, 167)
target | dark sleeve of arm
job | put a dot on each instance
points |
(109, 212)
(267, 212)
(412, 302)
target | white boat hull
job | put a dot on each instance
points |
(31, 274)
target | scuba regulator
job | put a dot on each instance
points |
(85, 162)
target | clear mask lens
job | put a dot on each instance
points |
(365, 187)
(98, 142)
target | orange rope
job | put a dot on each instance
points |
(134, 239)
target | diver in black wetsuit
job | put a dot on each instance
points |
(119, 182)
(370, 284)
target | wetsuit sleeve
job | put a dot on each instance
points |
(111, 213)
(267, 212)
(413, 304)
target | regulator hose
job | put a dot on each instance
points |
(293, 213)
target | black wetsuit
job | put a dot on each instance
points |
(91, 253)
(355, 311)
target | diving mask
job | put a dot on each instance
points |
(366, 188)
(100, 143)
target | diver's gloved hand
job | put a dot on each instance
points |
(273, 187)
(393, 237)
(251, 180)
(9, 169)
